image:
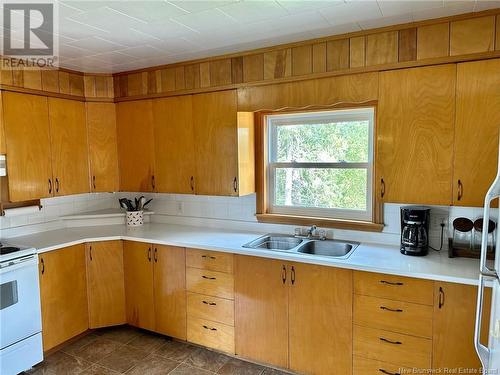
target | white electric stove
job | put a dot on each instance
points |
(20, 313)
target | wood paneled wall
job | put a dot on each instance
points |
(424, 43)
(98, 87)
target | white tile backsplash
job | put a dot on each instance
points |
(218, 211)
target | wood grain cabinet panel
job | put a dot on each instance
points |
(211, 334)
(174, 145)
(433, 41)
(320, 319)
(472, 35)
(395, 316)
(3, 149)
(210, 260)
(63, 295)
(217, 284)
(136, 145)
(103, 147)
(27, 142)
(382, 48)
(476, 131)
(139, 297)
(210, 308)
(454, 322)
(387, 346)
(261, 310)
(68, 132)
(357, 52)
(399, 288)
(105, 283)
(170, 290)
(416, 116)
(224, 141)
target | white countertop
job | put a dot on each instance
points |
(366, 257)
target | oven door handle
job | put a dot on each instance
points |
(12, 265)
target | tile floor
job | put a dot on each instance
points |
(126, 350)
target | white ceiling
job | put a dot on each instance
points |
(114, 36)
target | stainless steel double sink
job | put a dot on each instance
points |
(281, 242)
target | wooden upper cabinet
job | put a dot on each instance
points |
(68, 134)
(454, 322)
(174, 145)
(103, 147)
(105, 283)
(223, 145)
(320, 319)
(27, 141)
(414, 150)
(261, 310)
(170, 290)
(476, 131)
(136, 146)
(63, 294)
(138, 270)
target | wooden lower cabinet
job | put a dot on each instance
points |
(261, 310)
(155, 288)
(294, 315)
(139, 296)
(454, 320)
(63, 295)
(320, 319)
(170, 290)
(105, 283)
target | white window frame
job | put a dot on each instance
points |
(357, 114)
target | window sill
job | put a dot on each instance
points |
(366, 226)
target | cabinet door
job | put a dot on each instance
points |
(105, 284)
(103, 147)
(476, 132)
(170, 290)
(174, 145)
(320, 319)
(27, 141)
(261, 310)
(416, 115)
(136, 145)
(139, 299)
(454, 320)
(216, 143)
(63, 294)
(68, 134)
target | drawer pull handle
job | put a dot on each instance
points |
(387, 372)
(441, 297)
(390, 342)
(209, 278)
(390, 282)
(209, 303)
(209, 328)
(208, 257)
(389, 309)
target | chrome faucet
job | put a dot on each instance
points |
(310, 231)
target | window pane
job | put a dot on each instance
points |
(321, 188)
(323, 142)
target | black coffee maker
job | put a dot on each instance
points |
(415, 230)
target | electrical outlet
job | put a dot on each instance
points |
(437, 220)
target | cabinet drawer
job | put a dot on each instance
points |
(209, 260)
(385, 346)
(365, 366)
(395, 316)
(210, 334)
(394, 287)
(210, 308)
(210, 283)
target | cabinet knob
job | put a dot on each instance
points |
(153, 182)
(149, 254)
(93, 182)
(43, 265)
(57, 185)
(382, 188)
(283, 274)
(191, 183)
(460, 190)
(50, 186)
(441, 297)
(388, 372)
(209, 278)
(90, 252)
(156, 255)
(292, 275)
(390, 341)
(391, 283)
(235, 185)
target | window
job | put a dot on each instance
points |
(320, 164)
